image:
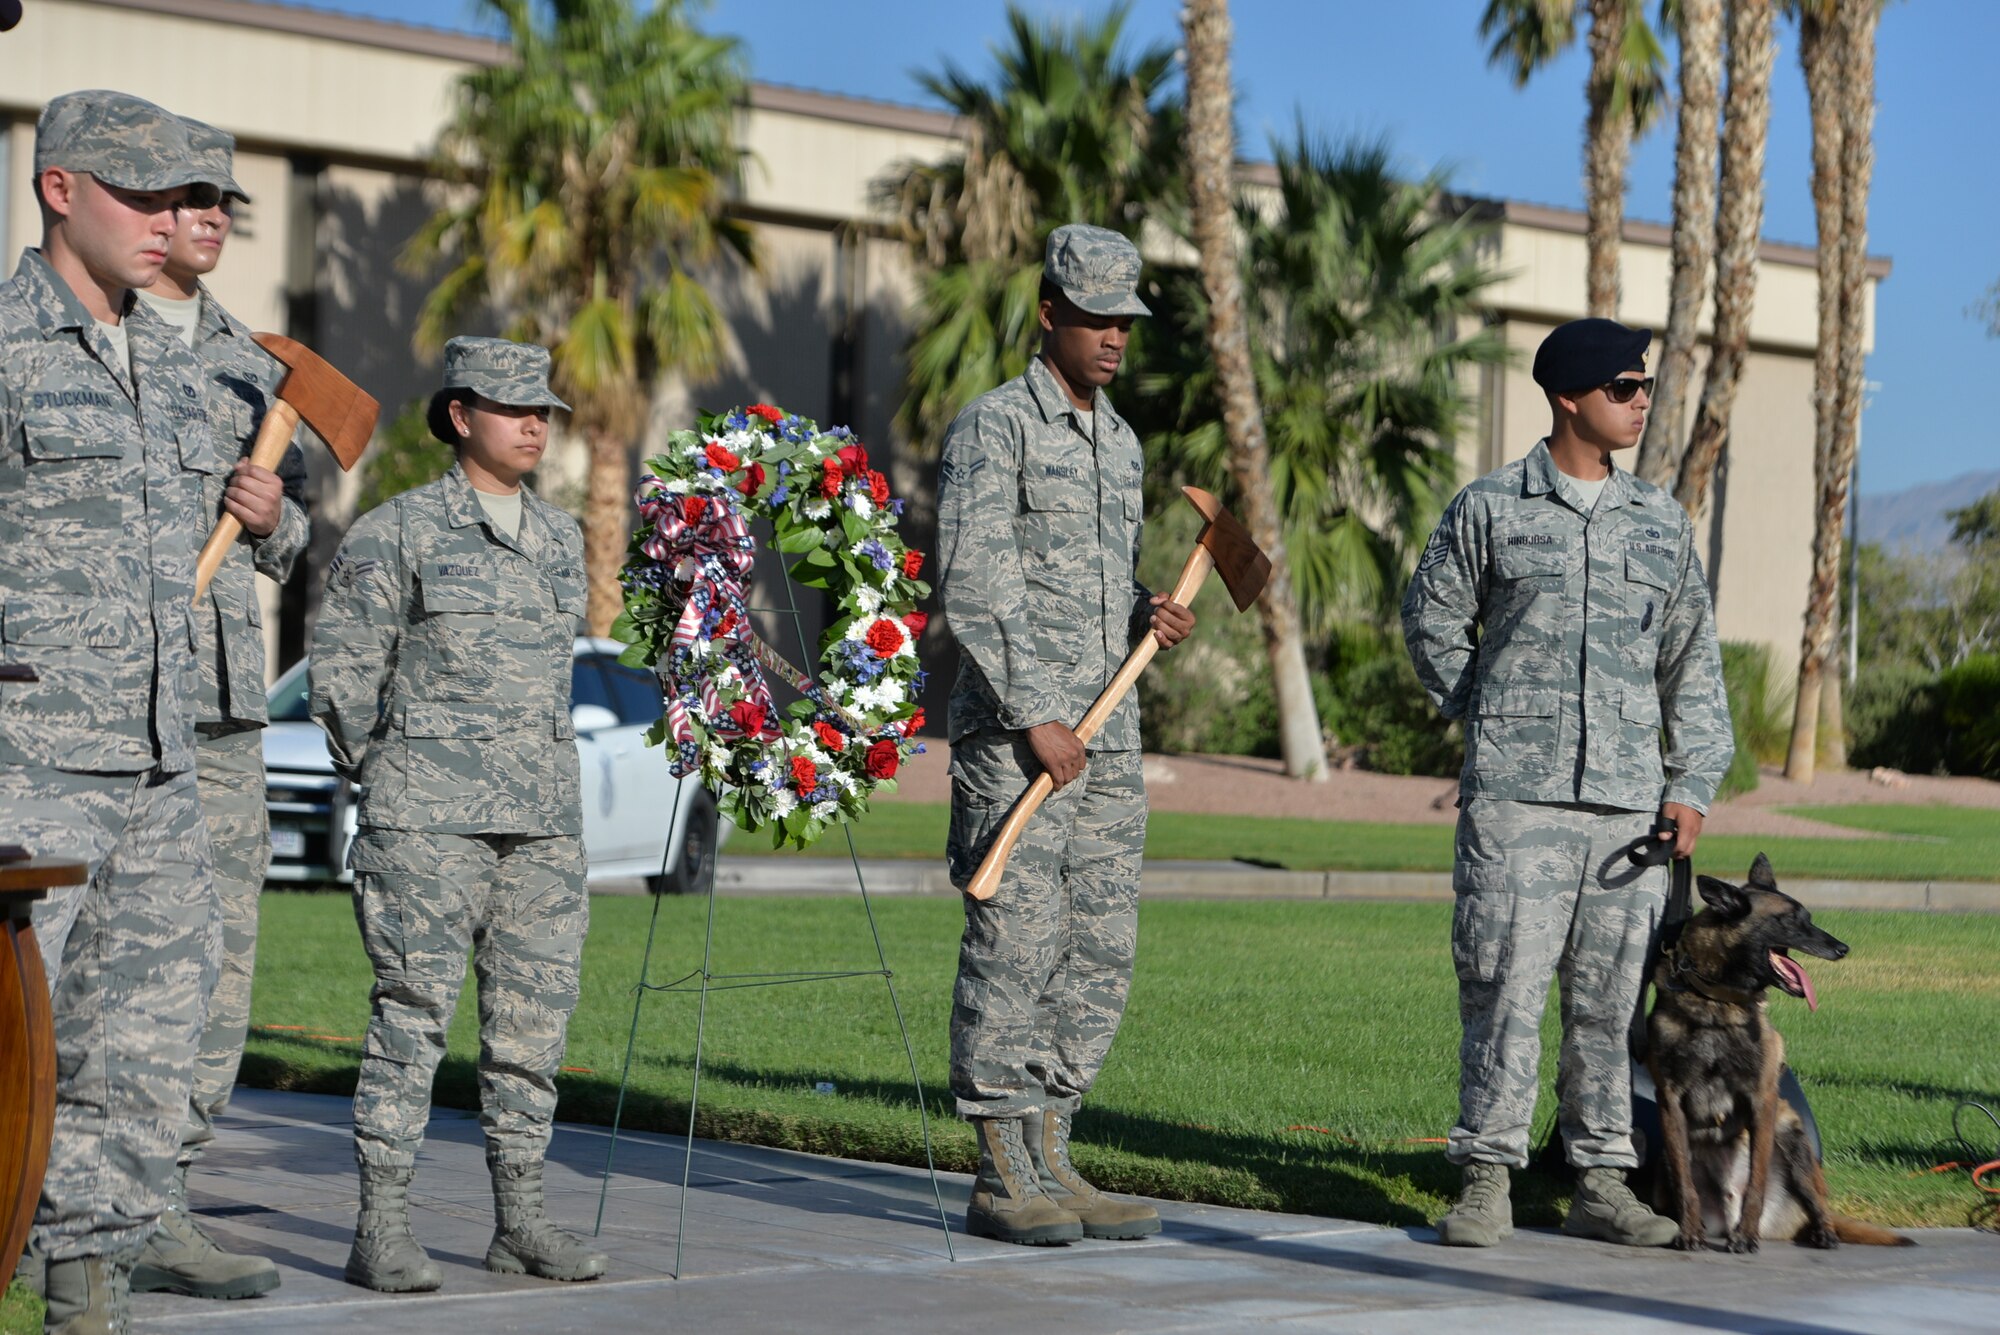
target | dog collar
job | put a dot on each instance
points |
(1682, 977)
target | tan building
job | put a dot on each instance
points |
(334, 117)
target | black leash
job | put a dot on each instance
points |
(1651, 851)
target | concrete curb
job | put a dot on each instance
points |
(1237, 880)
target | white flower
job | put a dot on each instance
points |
(783, 803)
(676, 485)
(743, 444)
(817, 755)
(774, 777)
(718, 756)
(861, 505)
(825, 810)
(817, 509)
(880, 696)
(867, 601)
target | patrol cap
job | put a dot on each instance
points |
(122, 140)
(516, 374)
(1584, 354)
(1096, 268)
(214, 155)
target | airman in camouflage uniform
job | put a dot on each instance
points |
(107, 450)
(441, 672)
(1560, 611)
(229, 754)
(1039, 516)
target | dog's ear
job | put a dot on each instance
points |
(1727, 900)
(1761, 874)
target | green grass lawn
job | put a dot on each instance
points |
(1295, 1056)
(1918, 843)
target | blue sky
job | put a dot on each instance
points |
(1415, 73)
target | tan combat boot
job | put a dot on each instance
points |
(1008, 1202)
(1047, 1134)
(1604, 1207)
(525, 1240)
(1484, 1213)
(180, 1257)
(88, 1296)
(385, 1256)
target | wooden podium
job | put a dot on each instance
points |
(27, 1046)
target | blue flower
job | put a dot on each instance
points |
(780, 494)
(877, 554)
(784, 470)
(896, 507)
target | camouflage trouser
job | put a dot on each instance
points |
(130, 953)
(1546, 890)
(422, 899)
(1045, 964)
(230, 771)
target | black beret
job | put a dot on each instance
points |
(1584, 354)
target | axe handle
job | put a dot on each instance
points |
(272, 437)
(987, 879)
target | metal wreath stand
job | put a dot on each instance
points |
(705, 980)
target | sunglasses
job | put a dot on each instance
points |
(1622, 389)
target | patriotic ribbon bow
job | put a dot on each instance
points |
(705, 543)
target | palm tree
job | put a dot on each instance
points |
(1837, 48)
(1700, 29)
(1211, 156)
(1623, 94)
(599, 158)
(1070, 128)
(1746, 123)
(1363, 317)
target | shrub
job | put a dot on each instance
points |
(1373, 701)
(1969, 703)
(1759, 719)
(1894, 717)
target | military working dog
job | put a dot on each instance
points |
(1739, 1167)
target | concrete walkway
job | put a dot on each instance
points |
(751, 874)
(789, 1242)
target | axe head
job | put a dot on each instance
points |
(1243, 567)
(340, 411)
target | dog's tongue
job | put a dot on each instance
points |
(1789, 970)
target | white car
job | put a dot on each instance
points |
(629, 798)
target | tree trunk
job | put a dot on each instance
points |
(1211, 195)
(1607, 144)
(607, 525)
(1693, 241)
(1845, 81)
(1739, 219)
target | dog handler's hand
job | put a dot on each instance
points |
(1690, 827)
(1171, 622)
(1059, 749)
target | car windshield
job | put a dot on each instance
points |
(288, 697)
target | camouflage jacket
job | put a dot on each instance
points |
(1567, 640)
(441, 664)
(229, 628)
(1038, 545)
(101, 515)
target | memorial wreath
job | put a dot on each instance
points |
(800, 770)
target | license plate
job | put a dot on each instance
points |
(287, 843)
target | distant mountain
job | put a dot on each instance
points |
(1913, 519)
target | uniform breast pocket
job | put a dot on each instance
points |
(461, 597)
(75, 463)
(1533, 557)
(1649, 577)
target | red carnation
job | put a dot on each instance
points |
(884, 638)
(913, 561)
(765, 411)
(829, 737)
(750, 484)
(723, 459)
(749, 717)
(878, 488)
(693, 508)
(854, 458)
(829, 482)
(803, 777)
(914, 723)
(727, 624)
(883, 760)
(916, 621)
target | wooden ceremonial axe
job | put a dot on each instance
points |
(1225, 546)
(312, 392)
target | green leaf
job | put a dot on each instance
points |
(794, 541)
